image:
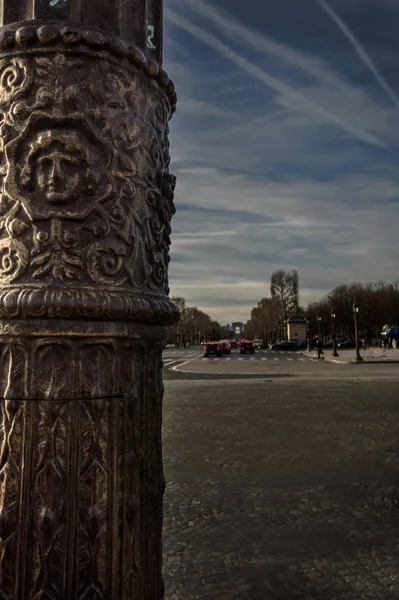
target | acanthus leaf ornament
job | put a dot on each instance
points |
(56, 252)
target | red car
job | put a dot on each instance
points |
(212, 348)
(247, 346)
(225, 346)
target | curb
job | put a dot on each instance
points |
(365, 361)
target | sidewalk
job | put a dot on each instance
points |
(371, 355)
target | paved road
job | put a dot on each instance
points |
(282, 489)
(190, 364)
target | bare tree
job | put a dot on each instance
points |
(284, 288)
(194, 324)
(378, 305)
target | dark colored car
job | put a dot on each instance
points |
(212, 348)
(247, 346)
(303, 344)
(285, 345)
(233, 344)
(225, 346)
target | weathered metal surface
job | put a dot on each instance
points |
(128, 19)
(85, 211)
(87, 198)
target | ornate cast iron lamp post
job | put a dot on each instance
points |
(358, 358)
(334, 339)
(319, 326)
(85, 210)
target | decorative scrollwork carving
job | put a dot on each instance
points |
(16, 77)
(13, 259)
(105, 262)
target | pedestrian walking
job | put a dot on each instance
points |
(319, 347)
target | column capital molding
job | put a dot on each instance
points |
(58, 36)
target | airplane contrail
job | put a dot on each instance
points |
(271, 81)
(360, 50)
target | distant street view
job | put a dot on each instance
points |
(281, 448)
(351, 316)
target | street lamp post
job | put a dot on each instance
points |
(85, 224)
(334, 340)
(358, 358)
(319, 325)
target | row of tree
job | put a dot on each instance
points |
(378, 305)
(194, 325)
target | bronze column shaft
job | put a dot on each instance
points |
(85, 210)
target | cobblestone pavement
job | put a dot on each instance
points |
(281, 490)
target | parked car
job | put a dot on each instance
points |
(247, 346)
(212, 348)
(285, 345)
(225, 346)
(303, 344)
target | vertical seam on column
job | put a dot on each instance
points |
(124, 474)
(144, 531)
(72, 490)
(161, 475)
(114, 509)
(24, 513)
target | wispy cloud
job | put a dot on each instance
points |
(291, 97)
(238, 31)
(343, 27)
(281, 162)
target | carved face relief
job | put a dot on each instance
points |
(57, 168)
(61, 173)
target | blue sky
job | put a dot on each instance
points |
(285, 145)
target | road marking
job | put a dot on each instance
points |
(252, 358)
(228, 358)
(239, 358)
(290, 359)
(264, 358)
(276, 359)
(177, 367)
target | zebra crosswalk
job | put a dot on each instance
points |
(255, 358)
